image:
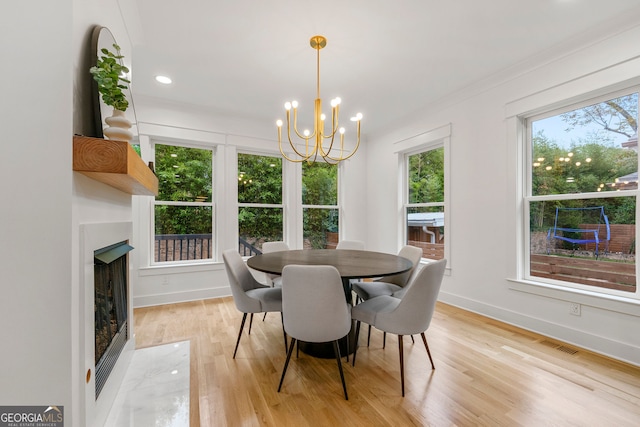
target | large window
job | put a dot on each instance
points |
(581, 193)
(424, 202)
(260, 207)
(183, 209)
(320, 205)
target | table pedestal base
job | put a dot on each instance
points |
(324, 350)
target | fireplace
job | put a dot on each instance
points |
(100, 248)
(110, 308)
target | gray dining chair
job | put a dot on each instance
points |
(407, 316)
(388, 285)
(324, 318)
(350, 244)
(268, 247)
(273, 279)
(249, 295)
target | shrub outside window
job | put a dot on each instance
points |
(183, 209)
(260, 207)
(581, 196)
(320, 208)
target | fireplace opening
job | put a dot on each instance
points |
(110, 308)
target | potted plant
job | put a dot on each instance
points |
(109, 73)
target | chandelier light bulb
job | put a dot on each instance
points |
(322, 117)
(294, 104)
(306, 132)
(341, 131)
(279, 123)
(287, 106)
(357, 117)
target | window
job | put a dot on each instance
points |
(320, 205)
(260, 207)
(183, 209)
(581, 195)
(424, 202)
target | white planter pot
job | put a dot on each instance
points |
(118, 128)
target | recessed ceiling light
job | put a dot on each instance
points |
(163, 79)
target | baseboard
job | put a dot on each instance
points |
(597, 344)
(176, 297)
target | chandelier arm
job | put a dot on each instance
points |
(303, 157)
(295, 126)
(293, 146)
(355, 149)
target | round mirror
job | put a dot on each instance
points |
(103, 39)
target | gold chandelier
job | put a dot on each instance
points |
(319, 134)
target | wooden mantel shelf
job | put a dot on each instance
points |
(114, 163)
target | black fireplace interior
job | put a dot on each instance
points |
(110, 308)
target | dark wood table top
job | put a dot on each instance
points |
(351, 264)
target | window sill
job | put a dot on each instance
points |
(615, 303)
(154, 270)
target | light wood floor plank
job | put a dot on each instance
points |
(487, 374)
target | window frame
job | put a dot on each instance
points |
(435, 145)
(337, 206)
(281, 205)
(525, 138)
(212, 204)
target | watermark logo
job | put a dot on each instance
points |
(31, 416)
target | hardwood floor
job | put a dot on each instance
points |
(487, 373)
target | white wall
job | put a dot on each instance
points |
(484, 201)
(35, 218)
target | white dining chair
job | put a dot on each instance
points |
(249, 295)
(325, 317)
(268, 247)
(407, 316)
(350, 244)
(388, 285)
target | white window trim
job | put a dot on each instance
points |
(435, 138)
(151, 263)
(337, 206)
(282, 205)
(589, 87)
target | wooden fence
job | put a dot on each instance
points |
(429, 250)
(603, 274)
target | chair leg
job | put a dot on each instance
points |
(336, 350)
(384, 340)
(355, 350)
(412, 340)
(369, 336)
(424, 340)
(244, 317)
(250, 323)
(283, 331)
(401, 349)
(286, 362)
(265, 316)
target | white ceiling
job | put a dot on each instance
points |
(384, 58)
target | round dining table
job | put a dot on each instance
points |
(351, 264)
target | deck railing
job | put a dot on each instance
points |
(181, 247)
